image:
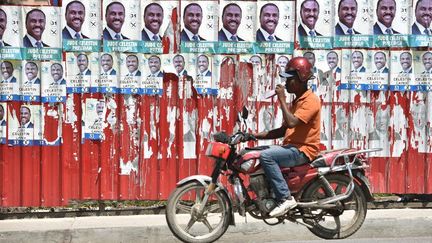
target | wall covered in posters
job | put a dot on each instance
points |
(138, 84)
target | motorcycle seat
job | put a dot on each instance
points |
(326, 158)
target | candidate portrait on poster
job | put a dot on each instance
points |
(236, 22)
(114, 19)
(78, 72)
(75, 13)
(153, 19)
(401, 70)
(391, 17)
(268, 20)
(152, 75)
(347, 13)
(9, 81)
(42, 27)
(422, 17)
(130, 73)
(192, 20)
(10, 30)
(107, 81)
(31, 82)
(422, 62)
(53, 82)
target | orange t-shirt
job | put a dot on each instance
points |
(306, 135)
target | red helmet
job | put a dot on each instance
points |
(299, 66)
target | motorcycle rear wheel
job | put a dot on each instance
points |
(329, 224)
(187, 224)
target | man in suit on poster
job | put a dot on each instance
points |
(25, 116)
(332, 62)
(3, 24)
(380, 60)
(153, 19)
(269, 19)
(203, 66)
(309, 11)
(347, 12)
(318, 73)
(82, 63)
(7, 72)
(341, 133)
(57, 74)
(107, 65)
(114, 16)
(179, 65)
(154, 63)
(386, 10)
(75, 14)
(405, 60)
(35, 25)
(231, 19)
(132, 64)
(357, 62)
(427, 62)
(31, 71)
(192, 19)
(423, 18)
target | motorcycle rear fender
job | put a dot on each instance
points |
(205, 181)
(364, 183)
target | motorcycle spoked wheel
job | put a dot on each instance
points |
(335, 224)
(187, 224)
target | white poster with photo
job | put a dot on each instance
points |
(258, 87)
(80, 71)
(11, 32)
(107, 80)
(3, 122)
(41, 35)
(340, 128)
(422, 71)
(24, 126)
(156, 22)
(153, 75)
(380, 72)
(53, 82)
(130, 73)
(93, 122)
(81, 28)
(10, 80)
(190, 121)
(30, 83)
(401, 70)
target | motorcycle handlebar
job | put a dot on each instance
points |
(241, 137)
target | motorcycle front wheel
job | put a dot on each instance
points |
(188, 222)
(342, 221)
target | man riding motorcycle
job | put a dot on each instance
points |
(300, 129)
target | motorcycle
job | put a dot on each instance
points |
(332, 192)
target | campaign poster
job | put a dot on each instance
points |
(24, 126)
(53, 87)
(419, 120)
(378, 78)
(190, 121)
(30, 86)
(236, 35)
(3, 122)
(201, 67)
(199, 26)
(156, 22)
(152, 80)
(41, 37)
(121, 25)
(275, 27)
(420, 28)
(11, 33)
(81, 68)
(107, 80)
(258, 87)
(355, 69)
(422, 71)
(315, 24)
(353, 23)
(391, 23)
(340, 127)
(358, 126)
(223, 88)
(378, 131)
(401, 70)
(93, 121)
(130, 73)
(81, 28)
(10, 80)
